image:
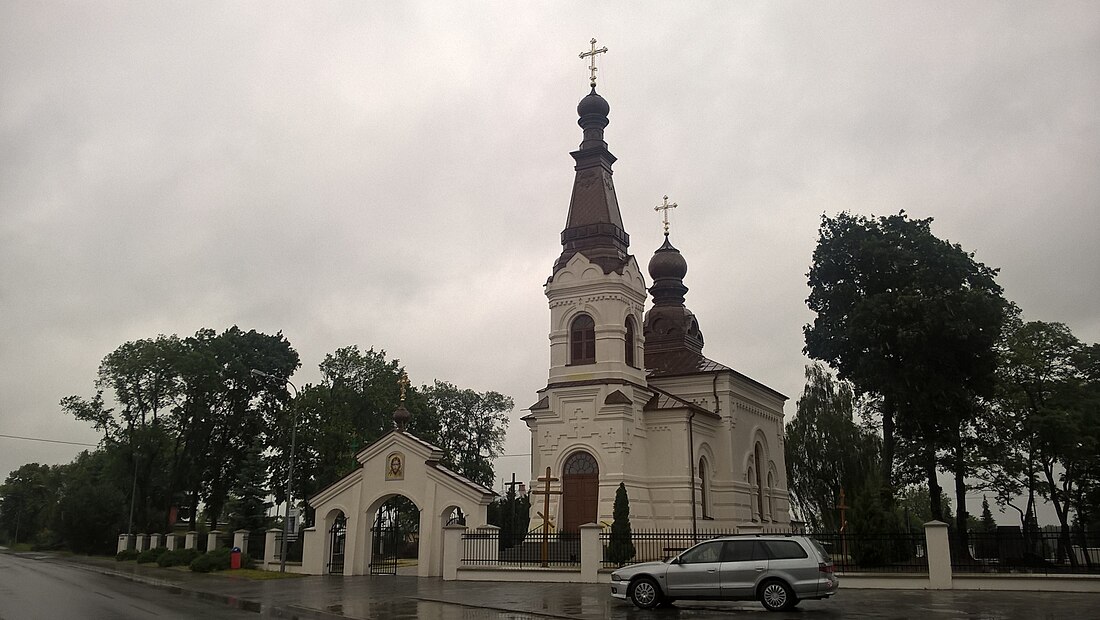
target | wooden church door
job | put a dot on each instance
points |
(580, 491)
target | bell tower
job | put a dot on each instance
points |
(587, 418)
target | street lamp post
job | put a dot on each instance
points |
(290, 466)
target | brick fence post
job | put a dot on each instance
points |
(191, 540)
(125, 542)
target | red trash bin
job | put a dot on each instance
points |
(235, 558)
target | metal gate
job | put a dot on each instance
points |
(386, 542)
(337, 538)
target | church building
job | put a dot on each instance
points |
(630, 397)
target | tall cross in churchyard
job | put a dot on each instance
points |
(842, 507)
(665, 206)
(545, 514)
(591, 55)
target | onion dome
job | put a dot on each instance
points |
(667, 262)
(669, 328)
(401, 416)
(593, 103)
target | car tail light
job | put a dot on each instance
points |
(825, 568)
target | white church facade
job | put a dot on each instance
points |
(630, 397)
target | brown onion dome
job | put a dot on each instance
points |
(667, 262)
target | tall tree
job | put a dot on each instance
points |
(26, 499)
(826, 449)
(469, 426)
(912, 319)
(351, 407)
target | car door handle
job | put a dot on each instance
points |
(710, 570)
(759, 569)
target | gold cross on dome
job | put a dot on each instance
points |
(591, 55)
(404, 383)
(665, 207)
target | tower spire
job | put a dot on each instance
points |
(594, 226)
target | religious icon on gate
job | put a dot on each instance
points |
(395, 468)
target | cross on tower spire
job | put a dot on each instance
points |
(665, 207)
(591, 55)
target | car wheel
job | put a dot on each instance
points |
(644, 593)
(777, 596)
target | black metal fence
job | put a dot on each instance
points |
(294, 548)
(1012, 550)
(900, 552)
(485, 548)
(257, 540)
(659, 544)
(1005, 551)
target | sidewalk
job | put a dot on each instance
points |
(364, 597)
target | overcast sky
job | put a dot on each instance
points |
(397, 174)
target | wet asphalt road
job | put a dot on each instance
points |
(175, 594)
(31, 589)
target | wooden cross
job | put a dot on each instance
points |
(591, 54)
(665, 207)
(546, 493)
(404, 383)
(842, 507)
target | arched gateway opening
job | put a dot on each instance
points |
(580, 491)
(337, 544)
(395, 537)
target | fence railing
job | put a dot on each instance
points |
(658, 544)
(294, 548)
(484, 548)
(1014, 551)
(900, 552)
(256, 543)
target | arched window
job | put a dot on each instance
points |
(582, 340)
(703, 487)
(771, 497)
(759, 458)
(580, 463)
(630, 345)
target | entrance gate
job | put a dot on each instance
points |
(386, 542)
(337, 538)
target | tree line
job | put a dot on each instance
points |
(936, 372)
(190, 433)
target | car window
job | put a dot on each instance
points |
(825, 555)
(705, 552)
(784, 549)
(744, 551)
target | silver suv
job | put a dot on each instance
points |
(777, 570)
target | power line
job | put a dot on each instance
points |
(71, 443)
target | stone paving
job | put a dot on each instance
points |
(405, 597)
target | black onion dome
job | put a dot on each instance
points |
(667, 262)
(593, 103)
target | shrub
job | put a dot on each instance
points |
(179, 557)
(217, 559)
(127, 555)
(151, 555)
